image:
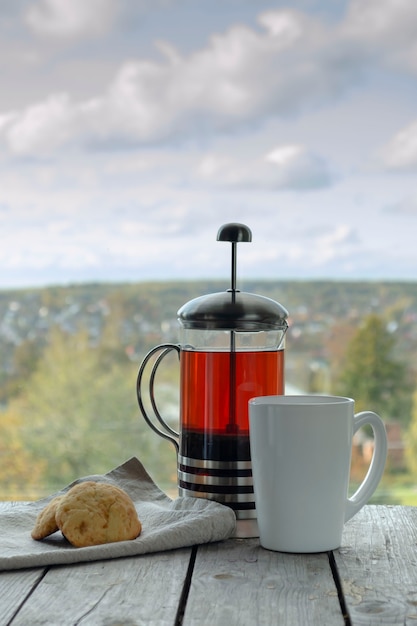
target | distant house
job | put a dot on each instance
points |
(363, 447)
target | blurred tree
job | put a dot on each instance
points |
(372, 375)
(411, 440)
(20, 471)
(24, 362)
(335, 343)
(81, 415)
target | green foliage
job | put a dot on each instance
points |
(21, 472)
(24, 361)
(411, 449)
(372, 375)
(79, 413)
(69, 403)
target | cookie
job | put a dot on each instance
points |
(93, 513)
(45, 522)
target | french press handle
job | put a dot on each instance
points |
(167, 432)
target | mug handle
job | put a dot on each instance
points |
(376, 468)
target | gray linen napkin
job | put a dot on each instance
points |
(166, 524)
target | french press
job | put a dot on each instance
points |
(231, 349)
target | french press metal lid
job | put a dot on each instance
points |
(233, 309)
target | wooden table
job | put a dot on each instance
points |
(371, 579)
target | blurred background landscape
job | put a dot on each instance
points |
(70, 356)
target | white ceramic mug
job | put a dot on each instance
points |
(301, 453)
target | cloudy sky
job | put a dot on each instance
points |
(130, 130)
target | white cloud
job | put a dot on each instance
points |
(299, 168)
(285, 24)
(288, 166)
(387, 29)
(293, 62)
(401, 151)
(42, 127)
(318, 248)
(335, 244)
(407, 207)
(68, 19)
(283, 155)
(6, 119)
(384, 22)
(242, 75)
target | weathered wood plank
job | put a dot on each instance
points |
(238, 582)
(132, 591)
(377, 565)
(15, 587)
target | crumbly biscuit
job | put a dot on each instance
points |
(45, 522)
(93, 513)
